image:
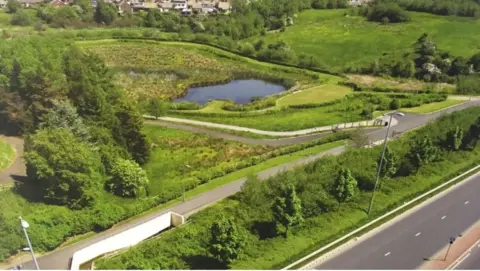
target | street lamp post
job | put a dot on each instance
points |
(183, 186)
(381, 162)
(450, 243)
(25, 225)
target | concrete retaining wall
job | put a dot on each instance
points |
(126, 238)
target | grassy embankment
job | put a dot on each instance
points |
(186, 247)
(340, 41)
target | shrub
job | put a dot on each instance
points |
(128, 179)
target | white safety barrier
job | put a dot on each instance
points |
(126, 238)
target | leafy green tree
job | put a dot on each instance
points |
(150, 19)
(128, 133)
(127, 179)
(454, 139)
(84, 4)
(65, 16)
(13, 6)
(475, 61)
(389, 164)
(422, 152)
(460, 66)
(64, 115)
(345, 186)
(472, 136)
(66, 170)
(247, 49)
(157, 107)
(227, 241)
(98, 100)
(21, 18)
(287, 210)
(395, 104)
(105, 13)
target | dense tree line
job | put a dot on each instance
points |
(78, 125)
(467, 8)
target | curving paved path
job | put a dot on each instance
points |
(59, 259)
(242, 139)
(17, 168)
(272, 133)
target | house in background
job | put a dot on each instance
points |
(30, 3)
(358, 2)
(58, 3)
(3, 3)
(124, 7)
(224, 6)
(179, 4)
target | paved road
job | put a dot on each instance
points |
(470, 261)
(419, 235)
(59, 259)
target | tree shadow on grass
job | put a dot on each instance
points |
(204, 262)
(265, 229)
(27, 190)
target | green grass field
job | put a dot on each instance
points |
(432, 107)
(319, 94)
(7, 154)
(175, 149)
(340, 41)
(289, 120)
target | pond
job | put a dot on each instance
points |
(239, 91)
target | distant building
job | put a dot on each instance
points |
(358, 2)
(58, 3)
(179, 4)
(30, 3)
(3, 3)
(224, 6)
(124, 7)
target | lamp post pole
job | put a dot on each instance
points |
(380, 164)
(183, 186)
(25, 225)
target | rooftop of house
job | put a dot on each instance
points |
(224, 5)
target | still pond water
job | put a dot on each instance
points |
(239, 91)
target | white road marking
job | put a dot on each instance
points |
(418, 234)
(386, 254)
(466, 202)
(460, 261)
(443, 217)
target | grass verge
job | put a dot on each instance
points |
(432, 107)
(7, 155)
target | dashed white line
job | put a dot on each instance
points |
(418, 234)
(386, 254)
(443, 217)
(466, 202)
